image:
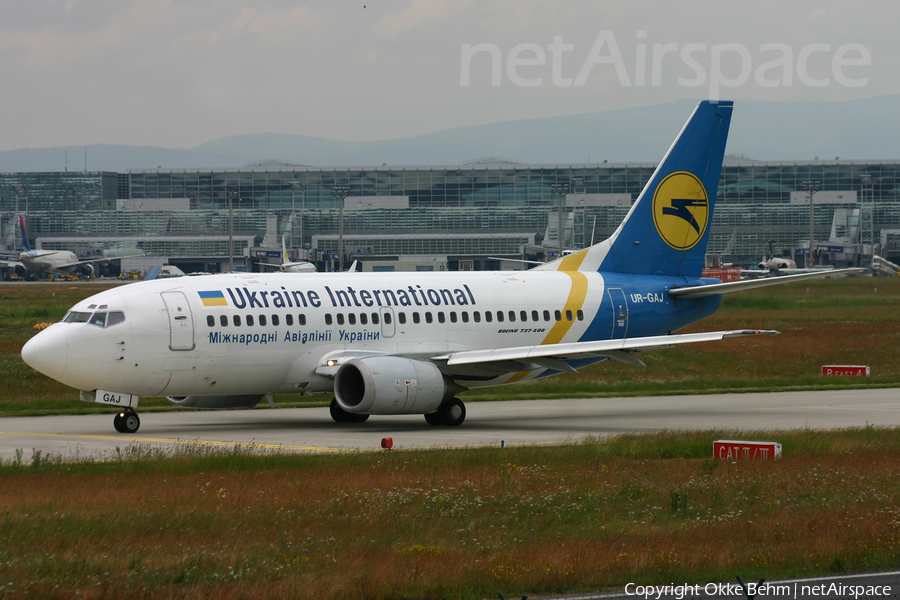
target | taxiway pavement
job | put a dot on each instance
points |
(487, 423)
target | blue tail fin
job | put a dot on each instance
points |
(25, 245)
(667, 229)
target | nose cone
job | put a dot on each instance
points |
(47, 352)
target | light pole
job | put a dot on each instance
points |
(24, 191)
(340, 192)
(230, 233)
(812, 187)
(295, 185)
(560, 189)
(866, 217)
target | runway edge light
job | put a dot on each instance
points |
(734, 450)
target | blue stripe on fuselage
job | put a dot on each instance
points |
(651, 311)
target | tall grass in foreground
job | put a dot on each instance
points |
(447, 524)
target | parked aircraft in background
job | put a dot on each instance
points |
(778, 266)
(408, 343)
(288, 266)
(34, 262)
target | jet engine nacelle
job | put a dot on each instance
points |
(87, 270)
(390, 385)
(215, 401)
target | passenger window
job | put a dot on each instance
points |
(116, 317)
(249, 320)
(351, 319)
(477, 316)
(275, 320)
(534, 316)
(523, 316)
(328, 318)
(210, 320)
(512, 316)
(301, 320)
(99, 319)
(546, 315)
(223, 320)
(488, 316)
(237, 320)
(428, 317)
(363, 319)
(452, 317)
(580, 315)
(416, 317)
(387, 318)
(465, 316)
(568, 315)
(262, 320)
(288, 320)
(499, 316)
(401, 317)
(340, 318)
(557, 315)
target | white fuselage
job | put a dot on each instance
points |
(43, 260)
(274, 333)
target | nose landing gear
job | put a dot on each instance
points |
(127, 421)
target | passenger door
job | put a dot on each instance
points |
(181, 323)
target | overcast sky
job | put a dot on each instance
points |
(177, 73)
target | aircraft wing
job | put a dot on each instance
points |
(715, 289)
(554, 356)
(95, 260)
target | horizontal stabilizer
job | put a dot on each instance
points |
(716, 289)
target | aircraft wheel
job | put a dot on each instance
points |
(434, 418)
(452, 412)
(342, 416)
(117, 422)
(130, 422)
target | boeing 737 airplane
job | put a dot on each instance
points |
(408, 343)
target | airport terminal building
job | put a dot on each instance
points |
(441, 217)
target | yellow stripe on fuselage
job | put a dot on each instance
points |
(574, 302)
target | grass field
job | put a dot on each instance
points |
(842, 321)
(473, 523)
(449, 523)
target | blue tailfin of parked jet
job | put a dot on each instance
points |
(667, 229)
(25, 245)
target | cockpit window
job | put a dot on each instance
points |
(100, 319)
(77, 317)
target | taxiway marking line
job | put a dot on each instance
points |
(179, 441)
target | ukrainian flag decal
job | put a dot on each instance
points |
(681, 210)
(216, 298)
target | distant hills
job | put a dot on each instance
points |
(856, 129)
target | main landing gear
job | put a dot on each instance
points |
(342, 416)
(127, 421)
(452, 412)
